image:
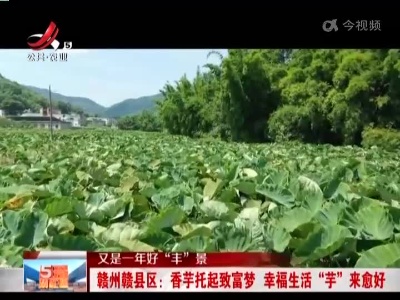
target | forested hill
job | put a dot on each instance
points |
(320, 96)
(87, 105)
(125, 107)
(14, 98)
(133, 106)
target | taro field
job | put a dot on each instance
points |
(128, 191)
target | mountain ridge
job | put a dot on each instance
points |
(135, 105)
(125, 107)
(86, 104)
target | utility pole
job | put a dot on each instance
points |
(51, 114)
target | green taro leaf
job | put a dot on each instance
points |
(284, 197)
(32, 230)
(323, 243)
(108, 189)
(376, 222)
(384, 256)
(211, 188)
(70, 242)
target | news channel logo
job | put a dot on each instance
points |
(39, 41)
(330, 25)
(55, 275)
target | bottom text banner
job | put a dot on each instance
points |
(243, 280)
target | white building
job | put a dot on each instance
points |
(108, 121)
(101, 121)
(76, 120)
(42, 122)
(29, 114)
(2, 113)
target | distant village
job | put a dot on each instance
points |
(58, 120)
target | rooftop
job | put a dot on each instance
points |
(35, 119)
(31, 115)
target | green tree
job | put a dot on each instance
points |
(145, 121)
(65, 108)
(317, 96)
(12, 107)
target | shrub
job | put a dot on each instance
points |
(289, 123)
(388, 139)
(6, 123)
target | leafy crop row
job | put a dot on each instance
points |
(114, 191)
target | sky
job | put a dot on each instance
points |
(72, 263)
(105, 76)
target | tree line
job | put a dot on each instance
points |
(14, 99)
(15, 107)
(314, 96)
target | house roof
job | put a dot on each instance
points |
(31, 115)
(35, 119)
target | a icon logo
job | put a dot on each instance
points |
(47, 39)
(328, 26)
(46, 272)
(67, 45)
